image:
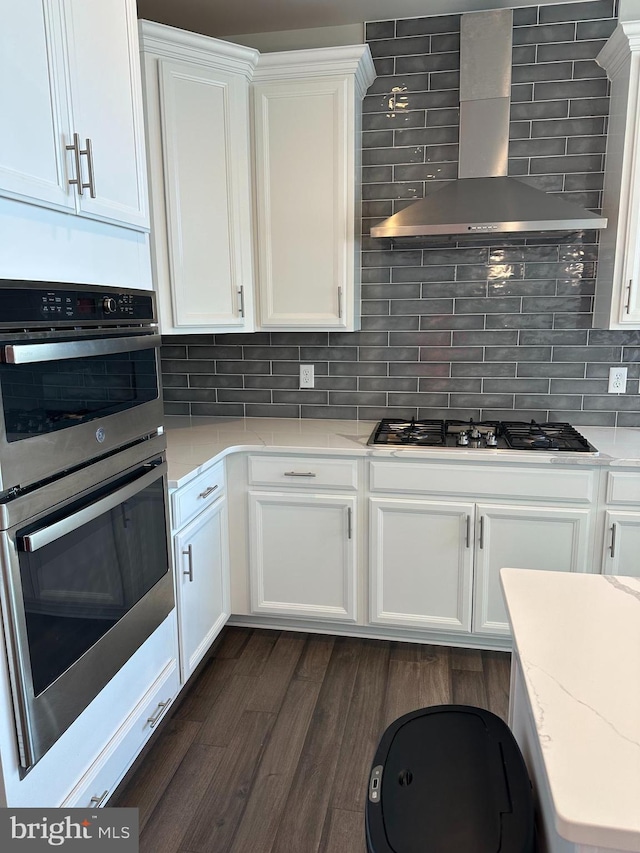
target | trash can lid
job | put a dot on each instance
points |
(444, 783)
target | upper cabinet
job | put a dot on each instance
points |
(222, 119)
(70, 93)
(197, 110)
(617, 302)
(306, 112)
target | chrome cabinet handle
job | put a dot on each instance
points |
(628, 302)
(612, 547)
(75, 147)
(155, 718)
(207, 492)
(299, 474)
(481, 539)
(96, 802)
(189, 555)
(340, 303)
(468, 532)
(241, 295)
(349, 523)
(88, 153)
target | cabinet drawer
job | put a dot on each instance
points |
(191, 499)
(623, 488)
(478, 481)
(306, 471)
(101, 779)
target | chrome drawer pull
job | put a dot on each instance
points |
(155, 718)
(299, 474)
(98, 801)
(207, 492)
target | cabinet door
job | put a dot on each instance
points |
(33, 104)
(305, 176)
(302, 555)
(104, 73)
(201, 559)
(622, 544)
(420, 557)
(204, 123)
(521, 537)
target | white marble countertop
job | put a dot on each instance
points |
(578, 639)
(193, 444)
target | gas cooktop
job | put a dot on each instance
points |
(492, 435)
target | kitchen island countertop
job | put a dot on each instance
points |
(577, 654)
(194, 444)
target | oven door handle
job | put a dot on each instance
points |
(57, 351)
(39, 538)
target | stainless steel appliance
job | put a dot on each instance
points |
(83, 509)
(488, 435)
(483, 199)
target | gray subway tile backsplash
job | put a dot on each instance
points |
(497, 327)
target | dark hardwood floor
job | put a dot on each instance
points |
(270, 750)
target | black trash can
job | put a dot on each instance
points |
(449, 779)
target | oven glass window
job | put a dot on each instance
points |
(77, 587)
(47, 396)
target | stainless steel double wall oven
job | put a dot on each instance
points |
(83, 513)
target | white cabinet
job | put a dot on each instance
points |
(197, 112)
(621, 544)
(621, 522)
(303, 555)
(306, 111)
(70, 93)
(201, 558)
(202, 583)
(434, 562)
(421, 563)
(522, 537)
(303, 536)
(617, 302)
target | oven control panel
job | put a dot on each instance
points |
(41, 302)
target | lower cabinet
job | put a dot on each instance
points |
(522, 537)
(421, 564)
(201, 561)
(303, 555)
(622, 544)
(435, 565)
(202, 583)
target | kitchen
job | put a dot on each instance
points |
(488, 331)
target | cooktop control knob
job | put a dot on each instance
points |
(491, 440)
(109, 305)
(463, 439)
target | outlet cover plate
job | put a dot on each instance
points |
(617, 380)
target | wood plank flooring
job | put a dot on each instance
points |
(270, 749)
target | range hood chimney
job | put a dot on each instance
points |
(484, 199)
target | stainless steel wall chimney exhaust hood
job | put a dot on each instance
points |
(484, 199)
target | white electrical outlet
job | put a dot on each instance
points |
(306, 376)
(617, 380)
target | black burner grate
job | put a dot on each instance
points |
(545, 436)
(413, 433)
